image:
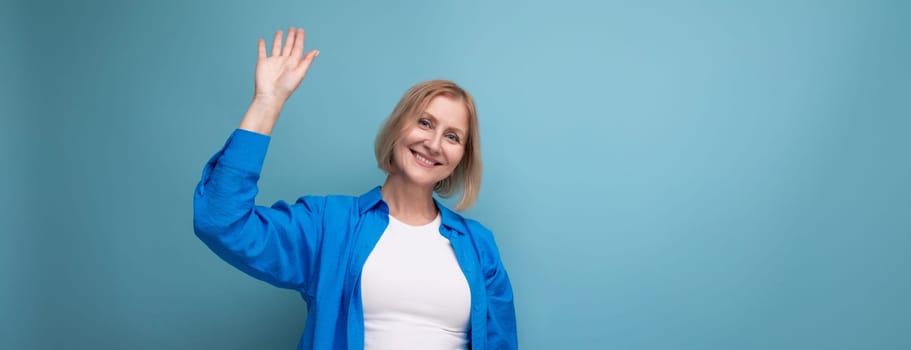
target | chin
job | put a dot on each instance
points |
(418, 175)
(421, 180)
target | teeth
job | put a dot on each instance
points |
(422, 159)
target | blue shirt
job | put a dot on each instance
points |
(319, 244)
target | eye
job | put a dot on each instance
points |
(424, 123)
(453, 137)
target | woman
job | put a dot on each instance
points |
(390, 269)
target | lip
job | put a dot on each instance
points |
(421, 163)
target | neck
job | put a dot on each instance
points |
(409, 203)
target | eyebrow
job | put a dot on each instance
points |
(434, 119)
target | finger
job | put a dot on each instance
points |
(304, 64)
(298, 44)
(277, 43)
(261, 46)
(288, 43)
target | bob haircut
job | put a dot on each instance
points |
(468, 172)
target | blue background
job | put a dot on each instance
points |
(659, 174)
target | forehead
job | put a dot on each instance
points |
(448, 111)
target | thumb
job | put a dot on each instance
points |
(304, 64)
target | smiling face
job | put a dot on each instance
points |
(432, 145)
(431, 140)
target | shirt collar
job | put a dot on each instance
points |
(374, 199)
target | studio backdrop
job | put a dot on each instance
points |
(658, 174)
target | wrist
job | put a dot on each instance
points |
(268, 101)
(262, 114)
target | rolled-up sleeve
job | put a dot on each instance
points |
(275, 244)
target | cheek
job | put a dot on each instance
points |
(400, 152)
(411, 134)
(456, 154)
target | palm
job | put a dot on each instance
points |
(279, 75)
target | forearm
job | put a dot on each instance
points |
(227, 191)
(262, 115)
(260, 241)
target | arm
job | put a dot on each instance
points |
(274, 244)
(277, 245)
(501, 310)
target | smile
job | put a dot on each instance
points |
(423, 161)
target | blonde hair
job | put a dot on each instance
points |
(468, 172)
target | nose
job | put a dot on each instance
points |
(433, 144)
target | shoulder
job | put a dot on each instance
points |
(486, 245)
(478, 230)
(482, 236)
(328, 202)
(337, 204)
(327, 213)
(465, 225)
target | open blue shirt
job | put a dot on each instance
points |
(319, 244)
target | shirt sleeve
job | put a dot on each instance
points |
(501, 311)
(274, 244)
(501, 317)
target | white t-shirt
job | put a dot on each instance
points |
(414, 293)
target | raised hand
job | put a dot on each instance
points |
(279, 75)
(276, 79)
